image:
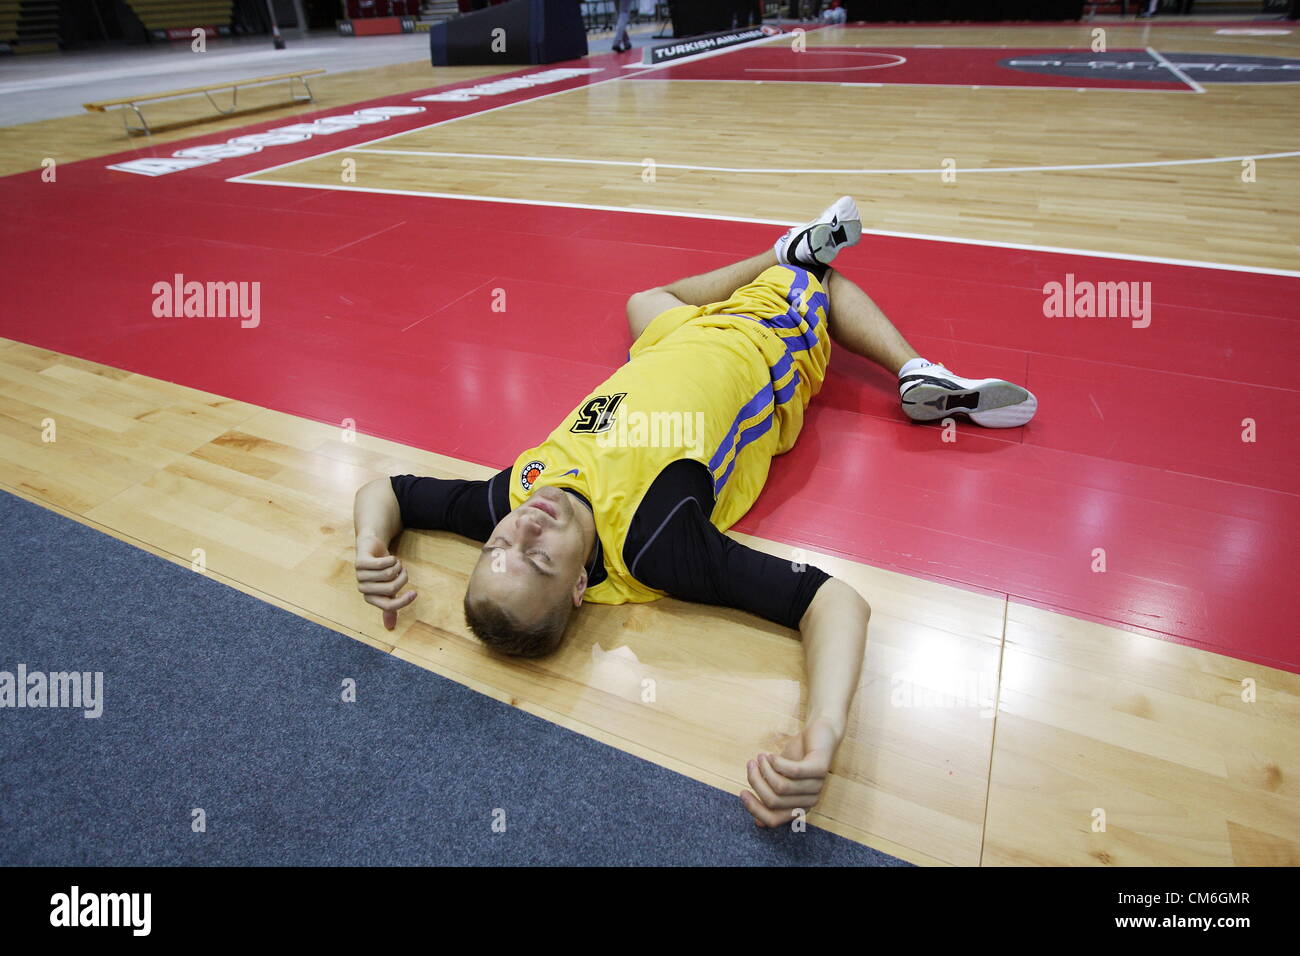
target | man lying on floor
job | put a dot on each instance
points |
(598, 513)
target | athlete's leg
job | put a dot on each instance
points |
(811, 246)
(928, 391)
(715, 286)
(718, 285)
(857, 324)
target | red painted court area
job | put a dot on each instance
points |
(378, 308)
(945, 66)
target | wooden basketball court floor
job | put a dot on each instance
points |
(1018, 704)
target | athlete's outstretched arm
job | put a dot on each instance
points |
(377, 518)
(834, 630)
(702, 289)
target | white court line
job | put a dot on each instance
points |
(1023, 87)
(926, 170)
(1091, 253)
(493, 109)
(1183, 77)
(1253, 82)
(898, 61)
(611, 79)
(1155, 55)
(1191, 263)
(419, 129)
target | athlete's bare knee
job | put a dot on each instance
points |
(644, 294)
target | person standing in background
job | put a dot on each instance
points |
(623, 42)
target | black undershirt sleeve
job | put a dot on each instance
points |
(672, 546)
(468, 508)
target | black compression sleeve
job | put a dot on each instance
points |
(694, 561)
(469, 508)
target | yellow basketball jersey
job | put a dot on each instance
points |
(724, 384)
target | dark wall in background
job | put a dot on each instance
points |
(904, 10)
(322, 13)
(692, 17)
(87, 22)
(543, 31)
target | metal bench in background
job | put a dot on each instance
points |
(131, 104)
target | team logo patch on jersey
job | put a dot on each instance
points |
(597, 414)
(532, 471)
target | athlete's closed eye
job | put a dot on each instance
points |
(500, 544)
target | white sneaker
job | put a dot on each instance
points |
(933, 392)
(817, 243)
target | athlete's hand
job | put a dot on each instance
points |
(380, 576)
(795, 779)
